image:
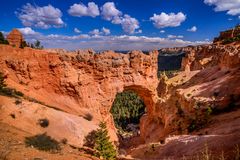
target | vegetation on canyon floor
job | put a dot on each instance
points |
(168, 73)
(43, 142)
(127, 109)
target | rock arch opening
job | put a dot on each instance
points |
(136, 126)
(127, 109)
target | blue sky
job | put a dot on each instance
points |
(119, 24)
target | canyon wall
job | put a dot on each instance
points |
(208, 82)
(200, 57)
(81, 83)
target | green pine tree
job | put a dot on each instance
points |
(103, 144)
(127, 108)
(36, 45)
(23, 44)
(2, 39)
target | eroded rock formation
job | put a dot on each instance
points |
(81, 83)
(201, 57)
(15, 38)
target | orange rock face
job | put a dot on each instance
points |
(15, 38)
(81, 83)
(200, 57)
(210, 78)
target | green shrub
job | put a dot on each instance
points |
(2, 81)
(43, 122)
(192, 126)
(42, 142)
(200, 119)
(18, 93)
(18, 101)
(10, 92)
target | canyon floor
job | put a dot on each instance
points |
(221, 134)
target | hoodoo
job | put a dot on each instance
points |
(15, 38)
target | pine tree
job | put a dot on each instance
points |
(2, 39)
(23, 44)
(36, 45)
(103, 144)
(127, 108)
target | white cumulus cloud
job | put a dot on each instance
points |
(109, 12)
(27, 31)
(232, 7)
(98, 32)
(129, 24)
(40, 17)
(106, 31)
(80, 10)
(76, 30)
(168, 20)
(193, 29)
(95, 32)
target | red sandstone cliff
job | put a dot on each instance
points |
(80, 83)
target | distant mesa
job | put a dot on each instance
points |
(15, 38)
(228, 36)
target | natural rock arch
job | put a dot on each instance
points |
(146, 94)
(149, 98)
(83, 82)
